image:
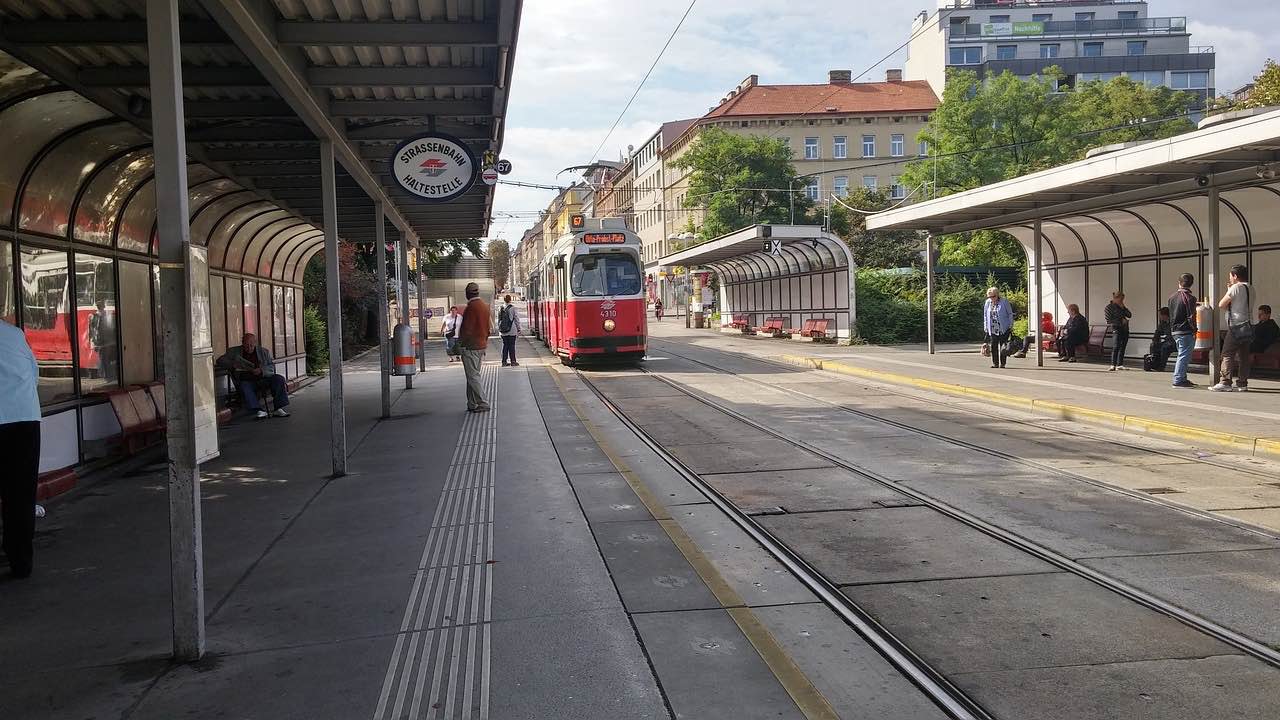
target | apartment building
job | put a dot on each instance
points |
(1096, 40)
(842, 134)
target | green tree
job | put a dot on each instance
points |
(740, 180)
(1120, 111)
(874, 249)
(499, 253)
(1266, 87)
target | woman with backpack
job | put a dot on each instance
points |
(508, 329)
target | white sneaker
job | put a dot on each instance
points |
(1242, 388)
(1111, 369)
(261, 414)
(280, 412)
(1221, 387)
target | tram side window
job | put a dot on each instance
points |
(595, 276)
(46, 320)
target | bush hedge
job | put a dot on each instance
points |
(317, 334)
(891, 308)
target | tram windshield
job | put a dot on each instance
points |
(599, 275)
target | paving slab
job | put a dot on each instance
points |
(709, 670)
(1221, 686)
(634, 387)
(766, 454)
(648, 569)
(1267, 518)
(1026, 621)
(606, 497)
(854, 678)
(1236, 589)
(756, 576)
(799, 491)
(896, 545)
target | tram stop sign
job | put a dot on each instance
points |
(489, 176)
(772, 247)
(428, 314)
(503, 167)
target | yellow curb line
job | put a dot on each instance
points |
(1262, 447)
(806, 696)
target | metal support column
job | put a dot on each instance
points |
(928, 290)
(337, 408)
(1211, 281)
(422, 317)
(384, 334)
(403, 272)
(168, 129)
(1037, 287)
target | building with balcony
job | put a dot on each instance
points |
(1096, 40)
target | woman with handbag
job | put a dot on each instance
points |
(450, 329)
(1117, 316)
(1235, 347)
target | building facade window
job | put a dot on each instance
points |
(1042, 17)
(1084, 17)
(1050, 50)
(923, 150)
(870, 182)
(896, 145)
(1136, 47)
(1092, 49)
(1150, 78)
(868, 146)
(811, 189)
(1195, 80)
(840, 147)
(1006, 52)
(896, 191)
(966, 56)
(1127, 15)
(811, 148)
(841, 186)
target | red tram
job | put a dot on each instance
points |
(588, 301)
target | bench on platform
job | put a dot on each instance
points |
(773, 327)
(1094, 346)
(140, 423)
(816, 329)
(740, 322)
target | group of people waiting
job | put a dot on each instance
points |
(1174, 336)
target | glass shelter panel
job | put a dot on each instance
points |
(8, 303)
(95, 220)
(251, 308)
(279, 346)
(46, 320)
(97, 317)
(137, 351)
(46, 200)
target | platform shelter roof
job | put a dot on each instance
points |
(748, 254)
(1148, 200)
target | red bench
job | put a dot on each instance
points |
(740, 322)
(773, 327)
(140, 423)
(814, 329)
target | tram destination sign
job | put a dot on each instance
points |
(435, 168)
(604, 238)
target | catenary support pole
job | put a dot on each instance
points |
(1037, 287)
(384, 340)
(168, 125)
(403, 271)
(333, 292)
(422, 317)
(1211, 280)
(928, 291)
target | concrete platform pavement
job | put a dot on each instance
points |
(1133, 400)
(499, 565)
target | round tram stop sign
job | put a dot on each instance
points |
(434, 168)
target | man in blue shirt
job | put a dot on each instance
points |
(19, 447)
(997, 322)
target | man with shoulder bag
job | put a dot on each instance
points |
(1235, 347)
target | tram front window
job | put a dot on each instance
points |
(599, 275)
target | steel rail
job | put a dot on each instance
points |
(1231, 637)
(1137, 495)
(932, 683)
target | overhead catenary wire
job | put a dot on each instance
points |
(643, 80)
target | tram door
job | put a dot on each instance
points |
(562, 297)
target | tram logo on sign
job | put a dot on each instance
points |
(434, 168)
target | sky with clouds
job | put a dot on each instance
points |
(577, 62)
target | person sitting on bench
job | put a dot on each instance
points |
(1162, 345)
(1073, 333)
(1265, 333)
(251, 365)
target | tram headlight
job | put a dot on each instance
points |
(609, 325)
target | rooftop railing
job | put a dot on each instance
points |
(1128, 26)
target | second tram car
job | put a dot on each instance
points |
(590, 293)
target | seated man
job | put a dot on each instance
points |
(1073, 333)
(251, 365)
(1162, 345)
(1265, 333)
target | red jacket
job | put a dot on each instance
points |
(473, 333)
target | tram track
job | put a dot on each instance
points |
(883, 639)
(1026, 462)
(930, 681)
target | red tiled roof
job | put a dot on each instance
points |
(871, 97)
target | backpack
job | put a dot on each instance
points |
(504, 319)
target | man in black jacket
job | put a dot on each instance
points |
(1162, 345)
(1073, 333)
(1266, 332)
(1182, 325)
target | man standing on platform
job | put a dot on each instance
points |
(473, 337)
(19, 447)
(509, 329)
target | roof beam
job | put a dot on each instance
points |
(138, 76)
(251, 25)
(409, 108)
(400, 76)
(252, 133)
(219, 109)
(387, 33)
(104, 32)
